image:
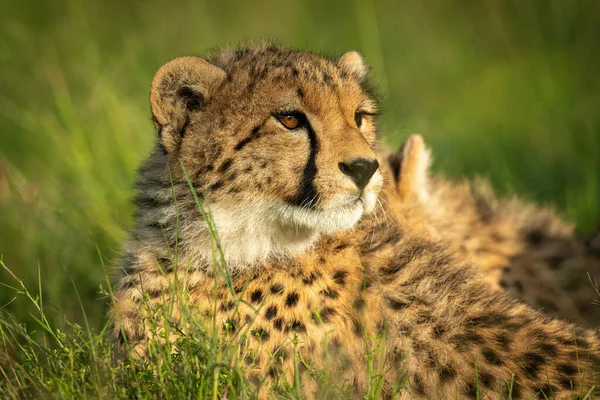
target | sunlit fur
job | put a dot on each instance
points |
(526, 249)
(312, 290)
(272, 191)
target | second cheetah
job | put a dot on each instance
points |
(526, 249)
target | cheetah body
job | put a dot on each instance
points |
(323, 286)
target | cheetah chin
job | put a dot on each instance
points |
(272, 228)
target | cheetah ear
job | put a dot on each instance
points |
(354, 64)
(179, 88)
(410, 166)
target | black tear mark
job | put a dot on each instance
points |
(307, 195)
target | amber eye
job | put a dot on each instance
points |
(358, 118)
(290, 120)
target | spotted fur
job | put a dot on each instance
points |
(525, 249)
(302, 264)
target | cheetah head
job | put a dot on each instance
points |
(279, 142)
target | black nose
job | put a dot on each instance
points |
(360, 170)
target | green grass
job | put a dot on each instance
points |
(504, 89)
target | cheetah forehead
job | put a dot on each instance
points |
(272, 64)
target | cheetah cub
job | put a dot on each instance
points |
(278, 148)
(525, 249)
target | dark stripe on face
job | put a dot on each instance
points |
(254, 135)
(307, 195)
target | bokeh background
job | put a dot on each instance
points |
(504, 89)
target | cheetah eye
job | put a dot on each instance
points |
(291, 120)
(358, 118)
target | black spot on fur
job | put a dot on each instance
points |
(129, 283)
(226, 164)
(332, 294)
(339, 277)
(277, 288)
(155, 292)
(254, 135)
(358, 327)
(272, 372)
(310, 279)
(335, 343)
(261, 334)
(341, 246)
(359, 303)
(278, 324)
(447, 373)
(519, 286)
(491, 356)
(300, 93)
(256, 296)
(515, 391)
(412, 251)
(396, 304)
(231, 325)
(567, 383)
(555, 262)
(418, 385)
(366, 282)
(217, 185)
(423, 317)
(121, 339)
(326, 313)
(547, 392)
(535, 237)
(292, 299)
(487, 320)
(486, 380)
(227, 306)
(567, 369)
(465, 341)
(438, 331)
(271, 312)
(297, 326)
(471, 390)
(533, 363)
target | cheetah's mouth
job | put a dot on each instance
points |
(342, 215)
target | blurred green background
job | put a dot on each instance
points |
(503, 89)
